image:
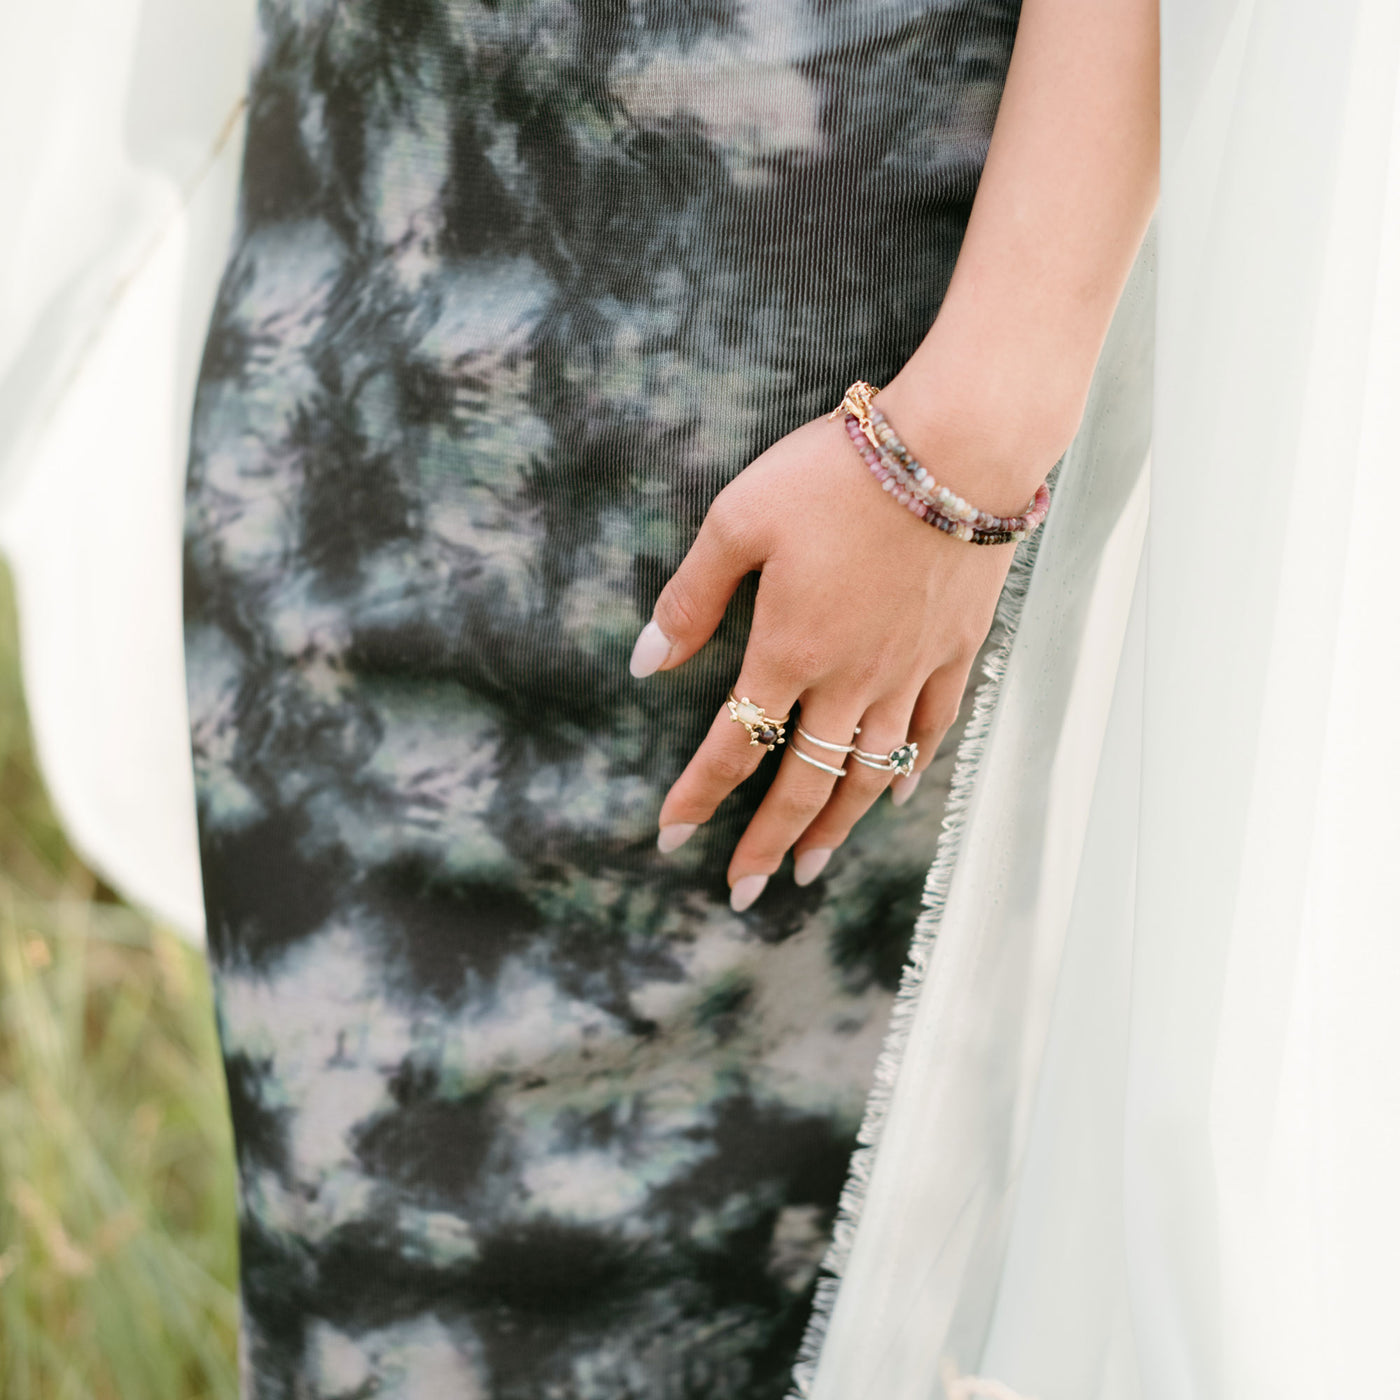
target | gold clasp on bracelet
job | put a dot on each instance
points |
(856, 402)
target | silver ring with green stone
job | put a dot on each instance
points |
(899, 761)
(764, 729)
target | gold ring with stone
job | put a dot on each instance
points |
(899, 761)
(763, 728)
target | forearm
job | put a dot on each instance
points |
(997, 388)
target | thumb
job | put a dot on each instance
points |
(690, 606)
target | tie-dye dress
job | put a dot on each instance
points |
(523, 1110)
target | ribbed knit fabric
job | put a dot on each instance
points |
(523, 1110)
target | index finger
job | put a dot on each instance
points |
(731, 751)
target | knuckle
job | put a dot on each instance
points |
(967, 642)
(798, 657)
(870, 782)
(730, 527)
(944, 718)
(865, 672)
(732, 766)
(792, 804)
(936, 720)
(836, 821)
(677, 608)
(882, 666)
(761, 849)
(832, 829)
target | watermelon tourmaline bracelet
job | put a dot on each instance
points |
(913, 486)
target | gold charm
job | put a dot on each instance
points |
(856, 402)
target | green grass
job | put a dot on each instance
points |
(117, 1232)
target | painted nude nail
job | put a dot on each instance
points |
(652, 648)
(904, 789)
(745, 891)
(673, 837)
(810, 864)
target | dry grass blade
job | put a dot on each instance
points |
(117, 1237)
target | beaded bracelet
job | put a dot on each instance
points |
(890, 480)
(946, 501)
(899, 473)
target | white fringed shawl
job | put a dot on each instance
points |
(1139, 1123)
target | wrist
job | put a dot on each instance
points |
(987, 458)
(984, 413)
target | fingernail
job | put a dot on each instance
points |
(652, 648)
(810, 864)
(905, 790)
(745, 891)
(676, 835)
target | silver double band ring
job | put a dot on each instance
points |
(823, 744)
(816, 762)
(899, 761)
(826, 743)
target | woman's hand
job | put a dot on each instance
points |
(865, 616)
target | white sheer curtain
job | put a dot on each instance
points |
(119, 145)
(1142, 1141)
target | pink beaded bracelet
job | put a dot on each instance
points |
(948, 502)
(897, 470)
(890, 479)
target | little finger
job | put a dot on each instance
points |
(935, 713)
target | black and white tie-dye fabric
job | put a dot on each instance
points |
(523, 1110)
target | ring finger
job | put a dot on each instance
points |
(883, 728)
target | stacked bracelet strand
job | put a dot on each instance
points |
(949, 502)
(889, 478)
(914, 487)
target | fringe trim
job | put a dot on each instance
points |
(1005, 623)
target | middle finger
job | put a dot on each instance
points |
(800, 790)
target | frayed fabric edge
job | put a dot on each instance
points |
(962, 783)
